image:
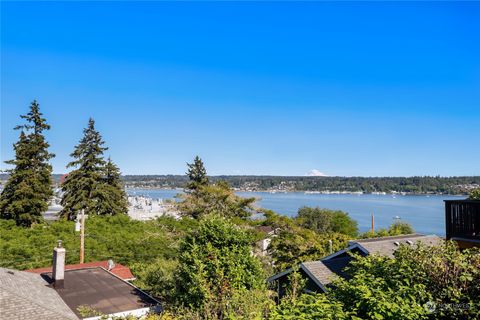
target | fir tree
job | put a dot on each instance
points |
(113, 197)
(29, 188)
(83, 186)
(197, 174)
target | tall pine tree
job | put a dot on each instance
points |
(113, 198)
(197, 174)
(29, 188)
(93, 185)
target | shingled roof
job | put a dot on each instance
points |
(386, 246)
(27, 296)
(324, 271)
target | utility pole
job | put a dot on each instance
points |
(373, 224)
(82, 237)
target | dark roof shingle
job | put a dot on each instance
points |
(27, 296)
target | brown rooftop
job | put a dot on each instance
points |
(102, 291)
(119, 270)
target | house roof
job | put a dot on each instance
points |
(324, 271)
(320, 271)
(387, 245)
(26, 296)
(266, 229)
(102, 291)
(119, 270)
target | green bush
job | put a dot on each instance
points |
(407, 286)
(474, 194)
(310, 307)
(218, 277)
(118, 237)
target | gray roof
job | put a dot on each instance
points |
(25, 295)
(324, 271)
(386, 246)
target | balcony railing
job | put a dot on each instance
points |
(462, 219)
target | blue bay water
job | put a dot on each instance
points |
(425, 213)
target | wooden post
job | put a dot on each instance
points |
(82, 237)
(373, 223)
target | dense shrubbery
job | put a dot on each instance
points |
(419, 283)
(119, 238)
(310, 307)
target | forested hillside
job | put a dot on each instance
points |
(441, 185)
(448, 185)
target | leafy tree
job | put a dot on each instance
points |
(315, 219)
(217, 272)
(218, 198)
(94, 185)
(29, 188)
(327, 221)
(296, 245)
(474, 194)
(197, 174)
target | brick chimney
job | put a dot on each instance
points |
(58, 271)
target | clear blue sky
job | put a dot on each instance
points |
(367, 89)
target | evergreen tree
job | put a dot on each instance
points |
(113, 198)
(29, 188)
(197, 174)
(83, 186)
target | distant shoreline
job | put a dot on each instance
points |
(314, 192)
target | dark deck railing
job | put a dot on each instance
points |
(462, 219)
